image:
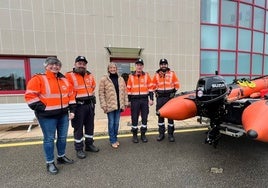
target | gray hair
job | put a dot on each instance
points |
(52, 60)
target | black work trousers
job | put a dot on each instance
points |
(83, 124)
(139, 106)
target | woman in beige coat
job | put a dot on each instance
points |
(113, 99)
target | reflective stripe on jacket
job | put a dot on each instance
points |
(53, 92)
(165, 82)
(84, 86)
(139, 84)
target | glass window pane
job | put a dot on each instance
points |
(265, 68)
(243, 63)
(209, 62)
(258, 19)
(266, 44)
(37, 65)
(266, 20)
(248, 1)
(209, 37)
(228, 13)
(209, 11)
(244, 40)
(245, 15)
(228, 38)
(12, 75)
(256, 64)
(258, 42)
(260, 3)
(227, 63)
(229, 79)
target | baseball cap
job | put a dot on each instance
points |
(81, 58)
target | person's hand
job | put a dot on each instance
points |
(151, 102)
(105, 110)
(71, 116)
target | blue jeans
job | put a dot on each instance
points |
(49, 128)
(113, 125)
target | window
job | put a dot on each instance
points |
(265, 69)
(209, 62)
(258, 19)
(237, 45)
(209, 11)
(228, 38)
(15, 72)
(258, 38)
(243, 62)
(257, 64)
(209, 37)
(244, 40)
(245, 14)
(227, 63)
(228, 13)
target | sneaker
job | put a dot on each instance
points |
(64, 160)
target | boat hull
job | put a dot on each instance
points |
(254, 120)
(180, 107)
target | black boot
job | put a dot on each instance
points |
(135, 135)
(52, 169)
(170, 134)
(161, 130)
(143, 137)
(92, 148)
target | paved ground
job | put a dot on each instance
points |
(9, 134)
(188, 162)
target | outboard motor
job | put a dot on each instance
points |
(211, 95)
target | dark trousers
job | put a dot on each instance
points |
(160, 101)
(139, 106)
(83, 120)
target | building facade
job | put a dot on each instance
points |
(198, 37)
(32, 30)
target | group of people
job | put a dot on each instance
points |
(57, 98)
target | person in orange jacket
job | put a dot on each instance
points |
(83, 83)
(139, 88)
(51, 97)
(165, 85)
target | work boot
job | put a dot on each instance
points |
(91, 148)
(143, 137)
(161, 130)
(80, 154)
(170, 134)
(135, 135)
(52, 169)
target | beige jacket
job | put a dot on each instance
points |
(107, 94)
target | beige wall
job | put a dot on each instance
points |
(67, 28)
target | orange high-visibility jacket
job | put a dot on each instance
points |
(165, 82)
(83, 86)
(139, 85)
(49, 94)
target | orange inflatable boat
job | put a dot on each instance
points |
(185, 105)
(179, 108)
(254, 120)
